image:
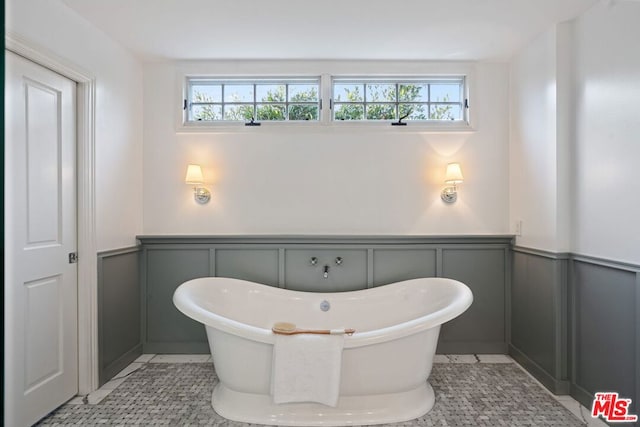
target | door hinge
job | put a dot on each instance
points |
(73, 257)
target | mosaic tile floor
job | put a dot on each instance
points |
(472, 392)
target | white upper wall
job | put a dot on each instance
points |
(118, 132)
(540, 137)
(327, 180)
(607, 150)
(532, 155)
(574, 154)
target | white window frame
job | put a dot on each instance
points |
(364, 81)
(255, 103)
(325, 73)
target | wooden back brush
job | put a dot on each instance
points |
(286, 328)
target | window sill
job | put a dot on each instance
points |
(325, 127)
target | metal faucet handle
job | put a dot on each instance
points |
(339, 260)
(313, 261)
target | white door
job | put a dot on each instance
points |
(40, 285)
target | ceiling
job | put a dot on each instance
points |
(330, 29)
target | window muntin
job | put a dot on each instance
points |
(435, 102)
(229, 100)
(423, 99)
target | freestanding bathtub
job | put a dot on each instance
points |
(385, 364)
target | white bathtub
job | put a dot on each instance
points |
(385, 364)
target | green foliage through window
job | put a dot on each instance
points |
(441, 99)
(263, 100)
(352, 99)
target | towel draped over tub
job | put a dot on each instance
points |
(306, 368)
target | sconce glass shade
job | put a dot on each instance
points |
(454, 174)
(194, 175)
(452, 178)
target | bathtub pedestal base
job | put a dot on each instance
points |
(351, 410)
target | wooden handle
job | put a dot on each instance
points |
(296, 331)
(310, 331)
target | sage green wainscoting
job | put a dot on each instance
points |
(163, 324)
(539, 316)
(484, 326)
(604, 310)
(481, 262)
(119, 303)
(575, 323)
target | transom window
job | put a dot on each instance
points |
(364, 99)
(433, 101)
(214, 100)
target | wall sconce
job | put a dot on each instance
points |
(452, 177)
(194, 177)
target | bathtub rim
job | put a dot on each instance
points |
(460, 302)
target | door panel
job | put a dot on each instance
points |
(41, 345)
(43, 145)
(43, 324)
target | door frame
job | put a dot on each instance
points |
(85, 158)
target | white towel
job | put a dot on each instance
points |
(306, 368)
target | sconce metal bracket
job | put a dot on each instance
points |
(449, 194)
(202, 195)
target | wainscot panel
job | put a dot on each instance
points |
(392, 265)
(255, 265)
(539, 316)
(166, 330)
(482, 328)
(119, 317)
(605, 329)
(354, 262)
(345, 269)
